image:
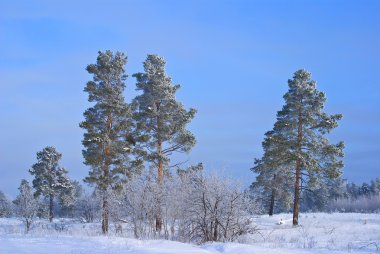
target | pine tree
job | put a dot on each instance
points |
(108, 141)
(300, 133)
(50, 180)
(26, 204)
(161, 118)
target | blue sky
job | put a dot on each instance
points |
(232, 58)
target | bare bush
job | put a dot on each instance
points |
(194, 207)
(218, 210)
(87, 207)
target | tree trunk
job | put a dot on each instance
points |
(160, 163)
(105, 215)
(215, 237)
(160, 181)
(51, 197)
(272, 197)
(159, 197)
(160, 174)
(28, 223)
(51, 215)
(296, 193)
(298, 172)
(107, 152)
(271, 205)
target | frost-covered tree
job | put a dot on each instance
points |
(5, 206)
(375, 186)
(141, 203)
(319, 198)
(161, 119)
(87, 207)
(365, 190)
(68, 198)
(194, 207)
(352, 190)
(50, 180)
(274, 177)
(213, 208)
(358, 198)
(108, 124)
(26, 204)
(300, 133)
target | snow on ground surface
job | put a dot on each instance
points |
(318, 233)
(337, 231)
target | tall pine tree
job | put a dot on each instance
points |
(50, 180)
(161, 118)
(300, 134)
(108, 142)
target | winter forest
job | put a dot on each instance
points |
(141, 192)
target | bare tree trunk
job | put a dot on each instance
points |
(272, 197)
(215, 236)
(271, 205)
(51, 197)
(159, 196)
(105, 212)
(296, 194)
(160, 175)
(28, 223)
(298, 173)
(172, 230)
(51, 215)
(159, 146)
(160, 163)
(159, 212)
(204, 222)
(105, 215)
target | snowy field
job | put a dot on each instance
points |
(318, 233)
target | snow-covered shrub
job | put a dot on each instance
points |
(194, 207)
(217, 209)
(87, 207)
(140, 203)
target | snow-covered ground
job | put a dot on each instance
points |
(349, 232)
(318, 233)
